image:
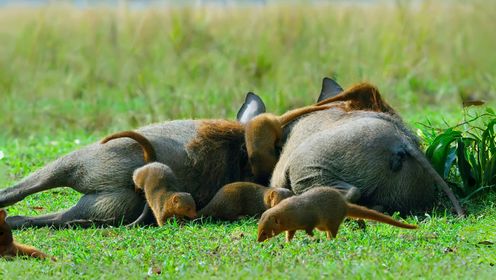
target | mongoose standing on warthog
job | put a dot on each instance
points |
(243, 199)
(9, 248)
(323, 208)
(370, 150)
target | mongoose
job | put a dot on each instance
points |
(155, 180)
(362, 96)
(243, 199)
(166, 201)
(263, 135)
(9, 248)
(149, 154)
(323, 208)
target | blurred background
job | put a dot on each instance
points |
(94, 67)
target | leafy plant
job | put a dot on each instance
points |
(467, 152)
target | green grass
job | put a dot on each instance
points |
(68, 77)
(101, 69)
(443, 247)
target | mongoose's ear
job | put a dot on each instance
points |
(175, 198)
(272, 194)
(330, 88)
(252, 107)
(3, 214)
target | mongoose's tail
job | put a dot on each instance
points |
(148, 150)
(30, 251)
(360, 212)
(363, 96)
(296, 113)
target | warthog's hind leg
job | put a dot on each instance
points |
(92, 209)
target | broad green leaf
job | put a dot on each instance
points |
(439, 150)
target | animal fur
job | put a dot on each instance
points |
(9, 248)
(164, 201)
(372, 151)
(263, 139)
(323, 208)
(243, 199)
(103, 173)
(159, 185)
(149, 154)
(367, 150)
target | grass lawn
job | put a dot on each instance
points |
(70, 76)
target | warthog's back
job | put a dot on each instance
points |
(110, 165)
(358, 148)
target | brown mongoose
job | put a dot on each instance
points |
(362, 96)
(263, 135)
(9, 248)
(323, 208)
(165, 201)
(156, 180)
(243, 199)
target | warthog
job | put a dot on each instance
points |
(204, 155)
(360, 146)
(371, 153)
(197, 156)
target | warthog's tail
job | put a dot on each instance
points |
(422, 160)
(296, 113)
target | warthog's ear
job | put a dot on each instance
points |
(252, 107)
(330, 88)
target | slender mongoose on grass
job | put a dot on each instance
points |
(9, 248)
(323, 208)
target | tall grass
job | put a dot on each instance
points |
(100, 69)
(68, 72)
